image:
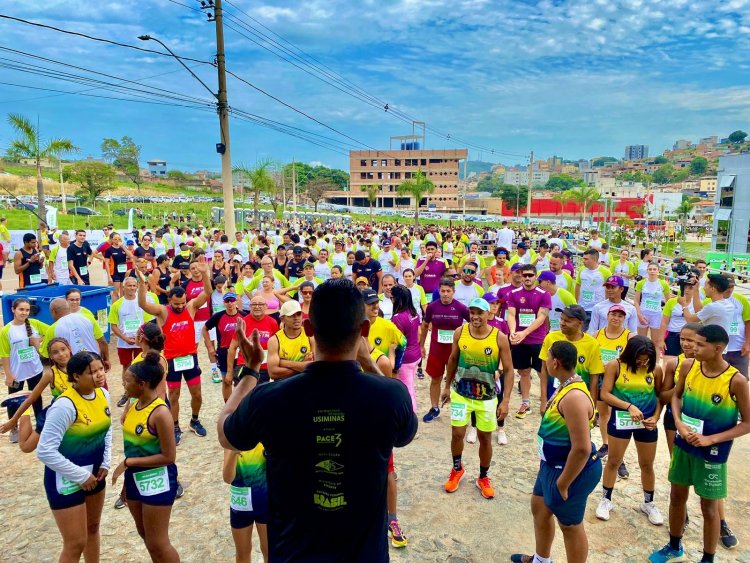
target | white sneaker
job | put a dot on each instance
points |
(471, 435)
(14, 436)
(502, 438)
(654, 516)
(602, 511)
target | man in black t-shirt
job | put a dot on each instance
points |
(79, 257)
(321, 433)
(364, 266)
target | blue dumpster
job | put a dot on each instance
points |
(96, 299)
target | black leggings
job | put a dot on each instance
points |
(17, 386)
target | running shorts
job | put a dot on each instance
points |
(437, 359)
(653, 320)
(485, 412)
(672, 342)
(639, 434)
(126, 356)
(192, 376)
(62, 493)
(709, 480)
(156, 486)
(568, 512)
(258, 513)
(526, 356)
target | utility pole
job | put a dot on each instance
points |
(531, 183)
(223, 148)
(62, 187)
(294, 194)
(466, 162)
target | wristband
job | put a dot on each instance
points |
(247, 372)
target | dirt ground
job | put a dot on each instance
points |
(440, 527)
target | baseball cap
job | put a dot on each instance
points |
(362, 279)
(385, 241)
(547, 276)
(490, 298)
(237, 258)
(290, 308)
(229, 296)
(184, 266)
(516, 266)
(130, 243)
(615, 280)
(573, 311)
(190, 243)
(307, 265)
(479, 303)
(620, 308)
(521, 245)
(370, 296)
(297, 250)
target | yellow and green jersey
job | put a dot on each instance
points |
(636, 388)
(589, 355)
(250, 470)
(610, 348)
(140, 440)
(384, 334)
(84, 441)
(553, 437)
(293, 349)
(478, 360)
(59, 383)
(708, 408)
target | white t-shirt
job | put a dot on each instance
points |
(595, 243)
(77, 330)
(322, 270)
(505, 238)
(717, 313)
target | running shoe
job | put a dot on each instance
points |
(122, 400)
(502, 438)
(120, 503)
(622, 471)
(728, 539)
(420, 373)
(523, 410)
(603, 452)
(522, 558)
(654, 516)
(197, 428)
(14, 436)
(398, 539)
(180, 490)
(215, 375)
(485, 485)
(667, 555)
(454, 479)
(177, 435)
(471, 435)
(431, 415)
(604, 508)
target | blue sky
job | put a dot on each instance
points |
(577, 78)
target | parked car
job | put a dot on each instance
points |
(82, 211)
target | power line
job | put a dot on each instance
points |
(185, 6)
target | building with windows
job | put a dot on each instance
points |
(388, 169)
(636, 152)
(157, 168)
(732, 208)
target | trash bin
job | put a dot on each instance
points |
(96, 299)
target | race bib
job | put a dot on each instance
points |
(652, 305)
(35, 278)
(554, 324)
(458, 412)
(131, 325)
(152, 481)
(184, 363)
(587, 295)
(525, 319)
(428, 297)
(445, 336)
(695, 424)
(65, 486)
(84, 270)
(121, 268)
(240, 498)
(26, 355)
(609, 355)
(265, 357)
(734, 329)
(540, 447)
(624, 422)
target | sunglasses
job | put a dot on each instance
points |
(470, 271)
(306, 292)
(528, 275)
(230, 300)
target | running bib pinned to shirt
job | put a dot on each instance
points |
(652, 305)
(587, 295)
(540, 447)
(26, 354)
(241, 498)
(152, 481)
(623, 421)
(65, 486)
(184, 363)
(609, 355)
(428, 297)
(554, 324)
(525, 319)
(131, 325)
(121, 268)
(695, 424)
(445, 337)
(35, 278)
(734, 329)
(84, 270)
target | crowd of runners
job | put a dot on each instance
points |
(475, 311)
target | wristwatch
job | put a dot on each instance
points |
(247, 372)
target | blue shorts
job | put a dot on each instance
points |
(639, 435)
(133, 491)
(669, 419)
(239, 519)
(63, 494)
(568, 512)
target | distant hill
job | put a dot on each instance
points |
(476, 166)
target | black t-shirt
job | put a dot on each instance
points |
(369, 270)
(148, 253)
(179, 259)
(79, 255)
(333, 441)
(295, 268)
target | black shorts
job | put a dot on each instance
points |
(119, 277)
(86, 280)
(639, 435)
(526, 356)
(672, 342)
(669, 420)
(192, 376)
(133, 491)
(61, 494)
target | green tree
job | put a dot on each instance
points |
(737, 137)
(371, 191)
(661, 159)
(698, 166)
(316, 189)
(637, 176)
(562, 199)
(681, 175)
(515, 197)
(261, 182)
(338, 179)
(30, 144)
(94, 179)
(561, 182)
(663, 174)
(584, 195)
(684, 210)
(124, 155)
(490, 184)
(602, 160)
(176, 175)
(417, 187)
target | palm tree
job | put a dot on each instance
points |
(562, 199)
(684, 210)
(585, 195)
(417, 187)
(371, 191)
(261, 181)
(30, 144)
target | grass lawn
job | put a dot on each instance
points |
(692, 250)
